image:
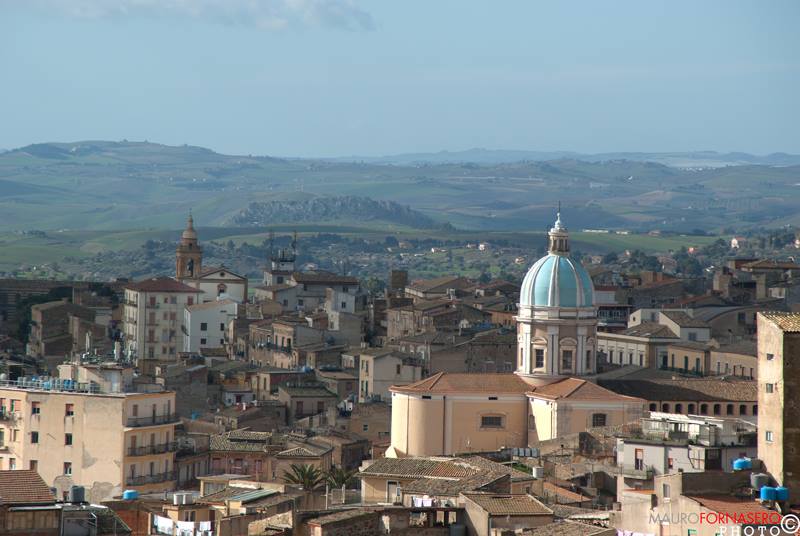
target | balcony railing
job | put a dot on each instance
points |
(151, 479)
(640, 471)
(7, 415)
(153, 449)
(153, 420)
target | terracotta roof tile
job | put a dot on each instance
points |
(442, 382)
(563, 495)
(692, 389)
(786, 321)
(508, 504)
(577, 389)
(727, 504)
(161, 284)
(24, 487)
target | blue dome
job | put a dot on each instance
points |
(557, 281)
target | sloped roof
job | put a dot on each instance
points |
(576, 389)
(508, 504)
(684, 320)
(24, 487)
(442, 382)
(563, 495)
(650, 330)
(439, 283)
(565, 528)
(161, 284)
(210, 305)
(728, 504)
(324, 277)
(692, 389)
(214, 269)
(789, 322)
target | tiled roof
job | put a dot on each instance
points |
(749, 348)
(342, 515)
(306, 451)
(786, 321)
(213, 269)
(24, 487)
(692, 345)
(419, 468)
(563, 495)
(690, 389)
(564, 528)
(727, 504)
(241, 440)
(210, 305)
(503, 505)
(577, 389)
(684, 320)
(307, 391)
(324, 277)
(442, 382)
(771, 265)
(161, 284)
(650, 330)
(427, 285)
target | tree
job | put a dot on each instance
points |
(307, 476)
(339, 476)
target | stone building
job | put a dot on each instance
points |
(779, 398)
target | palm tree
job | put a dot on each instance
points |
(307, 476)
(339, 476)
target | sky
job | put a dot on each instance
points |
(378, 77)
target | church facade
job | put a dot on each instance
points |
(550, 394)
(215, 282)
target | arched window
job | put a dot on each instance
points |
(653, 407)
(665, 408)
(743, 409)
(221, 289)
(717, 409)
(678, 408)
(692, 408)
(729, 409)
(755, 409)
(703, 409)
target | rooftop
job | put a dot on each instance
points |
(650, 330)
(342, 515)
(211, 305)
(442, 382)
(509, 504)
(24, 487)
(576, 389)
(324, 277)
(315, 391)
(684, 320)
(728, 504)
(564, 528)
(789, 322)
(161, 284)
(690, 389)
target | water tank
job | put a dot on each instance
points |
(767, 493)
(538, 472)
(758, 480)
(742, 464)
(77, 494)
(458, 530)
(781, 493)
(130, 495)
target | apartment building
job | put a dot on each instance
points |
(73, 433)
(205, 324)
(154, 309)
(778, 392)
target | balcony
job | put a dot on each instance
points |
(151, 479)
(152, 420)
(152, 306)
(153, 449)
(7, 416)
(638, 471)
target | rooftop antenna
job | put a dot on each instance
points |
(294, 243)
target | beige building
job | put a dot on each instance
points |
(778, 395)
(71, 434)
(380, 368)
(153, 314)
(456, 413)
(556, 340)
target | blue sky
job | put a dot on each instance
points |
(330, 78)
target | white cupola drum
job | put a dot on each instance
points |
(557, 320)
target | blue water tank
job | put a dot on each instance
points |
(768, 493)
(781, 493)
(130, 495)
(742, 464)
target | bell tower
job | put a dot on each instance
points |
(188, 255)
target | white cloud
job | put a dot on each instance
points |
(260, 14)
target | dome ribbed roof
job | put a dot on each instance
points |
(557, 281)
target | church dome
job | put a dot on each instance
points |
(556, 280)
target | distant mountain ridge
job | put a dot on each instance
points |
(500, 156)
